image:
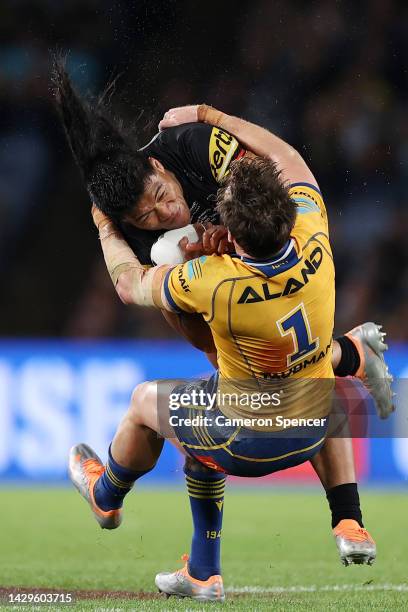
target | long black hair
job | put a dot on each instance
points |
(113, 169)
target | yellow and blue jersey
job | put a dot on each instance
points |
(271, 320)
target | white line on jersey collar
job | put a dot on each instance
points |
(272, 261)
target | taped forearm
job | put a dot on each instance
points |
(145, 286)
(118, 256)
(133, 282)
(210, 115)
(255, 138)
(261, 142)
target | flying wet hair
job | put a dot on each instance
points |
(113, 169)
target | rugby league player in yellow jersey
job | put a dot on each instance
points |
(270, 307)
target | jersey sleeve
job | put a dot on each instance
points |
(207, 150)
(311, 209)
(212, 150)
(188, 287)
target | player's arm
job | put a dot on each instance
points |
(253, 137)
(134, 283)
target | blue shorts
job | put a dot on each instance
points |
(239, 451)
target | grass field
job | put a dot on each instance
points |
(278, 551)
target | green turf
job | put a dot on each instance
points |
(271, 539)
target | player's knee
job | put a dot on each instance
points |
(137, 401)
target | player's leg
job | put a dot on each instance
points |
(334, 464)
(201, 575)
(134, 451)
(136, 443)
(358, 353)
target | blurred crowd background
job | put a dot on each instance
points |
(330, 77)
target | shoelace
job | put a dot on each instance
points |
(92, 467)
(357, 535)
(182, 572)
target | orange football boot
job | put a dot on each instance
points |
(354, 543)
(85, 468)
(181, 584)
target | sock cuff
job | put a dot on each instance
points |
(120, 476)
(350, 358)
(206, 476)
(199, 488)
(344, 502)
(206, 490)
(343, 492)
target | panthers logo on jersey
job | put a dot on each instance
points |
(222, 149)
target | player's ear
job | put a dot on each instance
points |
(156, 165)
(230, 238)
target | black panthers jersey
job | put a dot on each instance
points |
(200, 156)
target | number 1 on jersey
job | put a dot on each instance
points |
(297, 325)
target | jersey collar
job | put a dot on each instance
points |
(286, 258)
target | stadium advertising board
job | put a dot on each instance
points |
(53, 394)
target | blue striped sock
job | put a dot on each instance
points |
(116, 481)
(206, 493)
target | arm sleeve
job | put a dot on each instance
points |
(309, 200)
(188, 287)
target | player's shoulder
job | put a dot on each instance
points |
(311, 209)
(307, 196)
(191, 286)
(212, 145)
(178, 135)
(205, 267)
(208, 270)
(311, 217)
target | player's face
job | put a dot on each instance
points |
(162, 205)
